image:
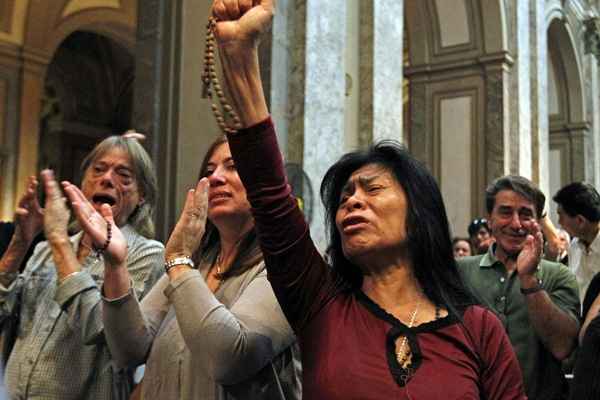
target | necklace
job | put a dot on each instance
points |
(218, 266)
(404, 357)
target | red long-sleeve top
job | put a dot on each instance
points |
(347, 340)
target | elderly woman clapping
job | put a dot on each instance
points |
(57, 297)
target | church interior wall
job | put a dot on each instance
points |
(476, 72)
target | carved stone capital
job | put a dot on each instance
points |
(591, 36)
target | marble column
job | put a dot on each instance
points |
(595, 117)
(539, 107)
(499, 140)
(32, 89)
(580, 145)
(324, 97)
(281, 50)
(421, 145)
(381, 70)
(10, 66)
(591, 89)
(522, 138)
(156, 93)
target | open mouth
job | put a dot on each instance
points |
(104, 199)
(355, 220)
(219, 195)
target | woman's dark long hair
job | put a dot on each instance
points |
(428, 233)
(248, 249)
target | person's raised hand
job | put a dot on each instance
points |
(242, 21)
(29, 216)
(56, 213)
(531, 254)
(95, 224)
(187, 234)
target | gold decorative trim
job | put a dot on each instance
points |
(17, 24)
(75, 6)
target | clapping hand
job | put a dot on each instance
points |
(29, 216)
(531, 254)
(186, 236)
(95, 224)
(56, 213)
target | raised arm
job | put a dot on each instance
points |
(130, 326)
(79, 294)
(238, 31)
(97, 226)
(300, 278)
(556, 328)
(29, 222)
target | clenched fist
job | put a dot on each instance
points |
(241, 22)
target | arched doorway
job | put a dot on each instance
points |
(88, 94)
(47, 25)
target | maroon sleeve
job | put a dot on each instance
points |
(301, 280)
(501, 377)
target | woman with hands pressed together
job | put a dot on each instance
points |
(390, 318)
(211, 328)
(60, 351)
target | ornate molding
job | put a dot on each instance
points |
(591, 36)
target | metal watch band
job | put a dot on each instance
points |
(178, 261)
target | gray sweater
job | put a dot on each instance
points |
(200, 345)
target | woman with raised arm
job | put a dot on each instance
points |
(390, 318)
(211, 328)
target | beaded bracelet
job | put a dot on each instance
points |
(100, 250)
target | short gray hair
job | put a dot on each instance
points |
(142, 218)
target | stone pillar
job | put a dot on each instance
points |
(594, 86)
(32, 89)
(280, 76)
(421, 145)
(500, 141)
(381, 70)
(591, 84)
(288, 73)
(156, 101)
(580, 145)
(324, 97)
(539, 105)
(522, 141)
(10, 66)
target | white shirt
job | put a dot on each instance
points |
(584, 262)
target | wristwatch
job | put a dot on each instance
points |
(533, 289)
(178, 261)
